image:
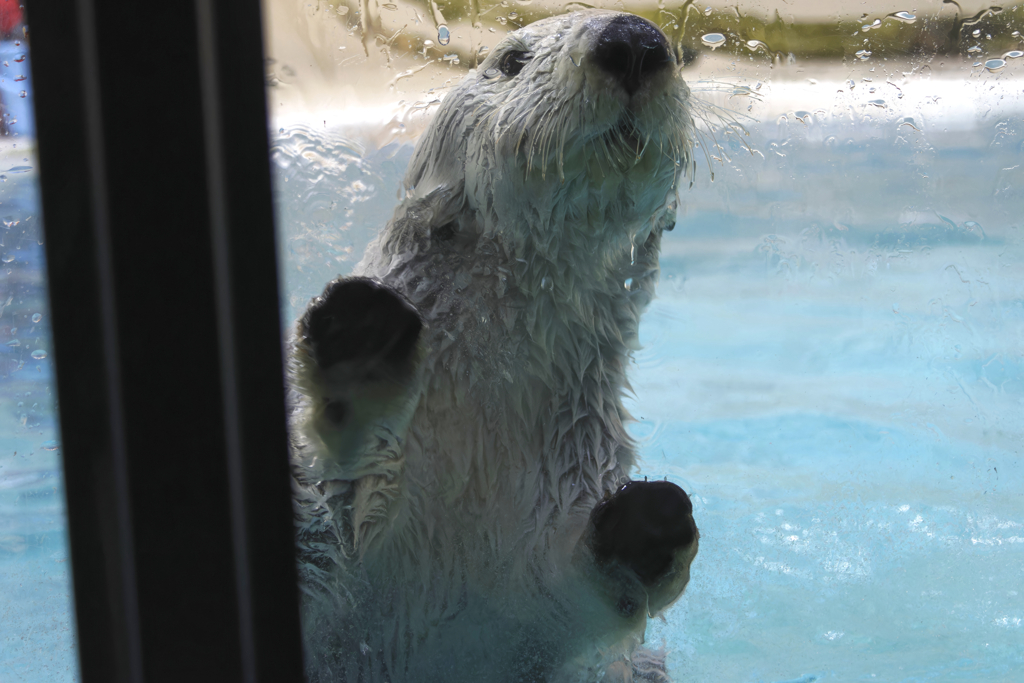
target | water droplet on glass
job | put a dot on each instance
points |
(546, 283)
(974, 50)
(707, 11)
(628, 284)
(874, 24)
(23, 94)
(863, 54)
(390, 6)
(14, 342)
(39, 354)
(8, 258)
(20, 78)
(905, 17)
(491, 73)
(482, 52)
(513, 15)
(877, 103)
(976, 32)
(36, 317)
(995, 64)
(50, 445)
(444, 36)
(19, 58)
(713, 40)
(1013, 54)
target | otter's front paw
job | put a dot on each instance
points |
(647, 528)
(356, 358)
(363, 323)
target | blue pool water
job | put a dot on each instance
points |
(833, 369)
(36, 618)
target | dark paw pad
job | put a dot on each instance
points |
(356, 320)
(642, 526)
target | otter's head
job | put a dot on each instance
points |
(574, 130)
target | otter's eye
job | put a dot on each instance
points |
(513, 62)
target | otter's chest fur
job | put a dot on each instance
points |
(519, 422)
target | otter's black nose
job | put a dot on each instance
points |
(632, 50)
(642, 526)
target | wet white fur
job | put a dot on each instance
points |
(445, 545)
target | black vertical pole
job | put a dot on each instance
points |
(152, 142)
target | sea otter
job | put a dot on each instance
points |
(460, 455)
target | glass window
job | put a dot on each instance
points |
(831, 367)
(37, 640)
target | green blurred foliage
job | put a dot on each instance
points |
(890, 36)
(939, 29)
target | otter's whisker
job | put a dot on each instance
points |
(725, 116)
(704, 148)
(597, 156)
(563, 134)
(647, 141)
(549, 122)
(730, 114)
(711, 131)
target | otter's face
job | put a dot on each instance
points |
(587, 78)
(578, 121)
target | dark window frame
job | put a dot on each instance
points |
(153, 154)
